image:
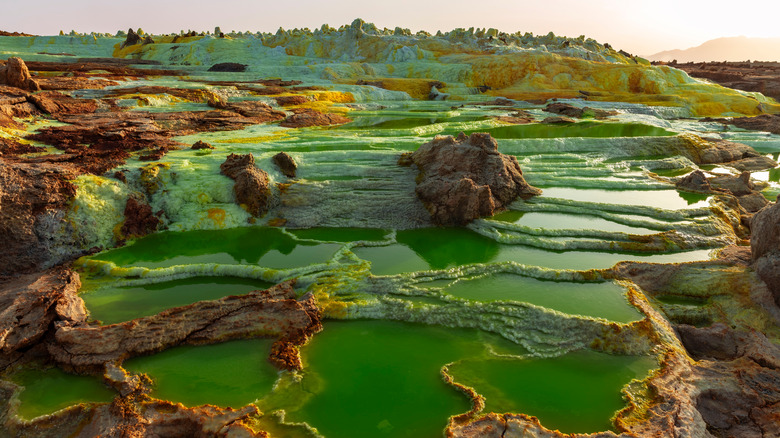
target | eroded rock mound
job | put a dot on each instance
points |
(286, 164)
(765, 244)
(464, 178)
(139, 218)
(251, 187)
(16, 74)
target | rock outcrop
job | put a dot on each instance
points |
(200, 144)
(273, 313)
(228, 67)
(139, 219)
(568, 110)
(30, 191)
(30, 303)
(251, 184)
(286, 164)
(741, 187)
(765, 245)
(304, 118)
(16, 74)
(464, 178)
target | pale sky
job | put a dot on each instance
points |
(639, 27)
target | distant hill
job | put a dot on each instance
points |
(726, 49)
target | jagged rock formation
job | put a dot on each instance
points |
(741, 187)
(465, 178)
(286, 164)
(29, 194)
(251, 187)
(30, 303)
(15, 74)
(765, 244)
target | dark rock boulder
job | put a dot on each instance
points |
(568, 110)
(464, 178)
(251, 184)
(286, 164)
(228, 67)
(132, 38)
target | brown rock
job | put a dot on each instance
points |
(273, 313)
(132, 38)
(258, 111)
(695, 181)
(286, 164)
(30, 303)
(765, 244)
(200, 144)
(11, 147)
(29, 191)
(251, 187)
(466, 178)
(309, 117)
(292, 100)
(16, 74)
(558, 120)
(55, 103)
(139, 219)
(568, 110)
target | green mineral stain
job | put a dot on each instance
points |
(263, 246)
(575, 393)
(230, 374)
(553, 221)
(47, 391)
(117, 304)
(383, 378)
(340, 234)
(599, 300)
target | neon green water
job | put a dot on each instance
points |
(340, 234)
(667, 199)
(578, 392)
(116, 304)
(233, 373)
(442, 248)
(599, 300)
(567, 221)
(391, 385)
(262, 246)
(401, 362)
(47, 391)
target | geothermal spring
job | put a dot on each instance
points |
(151, 289)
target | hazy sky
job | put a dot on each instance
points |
(644, 27)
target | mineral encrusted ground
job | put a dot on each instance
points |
(141, 134)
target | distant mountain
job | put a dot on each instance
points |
(726, 49)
